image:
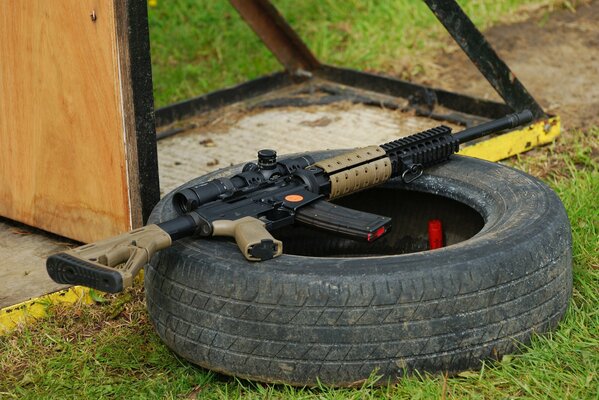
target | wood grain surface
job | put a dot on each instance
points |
(63, 158)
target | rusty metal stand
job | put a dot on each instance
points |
(480, 52)
(301, 65)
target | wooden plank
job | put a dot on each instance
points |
(63, 131)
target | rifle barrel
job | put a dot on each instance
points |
(507, 122)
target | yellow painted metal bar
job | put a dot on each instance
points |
(22, 313)
(30, 310)
(515, 142)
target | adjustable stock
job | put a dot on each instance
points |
(111, 264)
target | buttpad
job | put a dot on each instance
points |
(65, 268)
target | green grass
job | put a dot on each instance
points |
(110, 349)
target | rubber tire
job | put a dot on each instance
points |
(300, 320)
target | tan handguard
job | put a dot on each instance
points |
(356, 170)
(111, 264)
(254, 241)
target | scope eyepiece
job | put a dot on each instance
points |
(185, 200)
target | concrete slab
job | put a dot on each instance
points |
(23, 251)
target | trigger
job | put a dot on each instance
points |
(265, 250)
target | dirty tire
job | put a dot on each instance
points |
(298, 319)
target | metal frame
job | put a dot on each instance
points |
(482, 55)
(301, 65)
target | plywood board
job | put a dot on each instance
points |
(68, 157)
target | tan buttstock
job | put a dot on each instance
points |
(109, 264)
(249, 233)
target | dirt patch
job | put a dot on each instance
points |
(555, 55)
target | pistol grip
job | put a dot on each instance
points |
(111, 264)
(254, 241)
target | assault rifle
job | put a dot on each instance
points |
(268, 195)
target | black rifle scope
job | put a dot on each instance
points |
(251, 177)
